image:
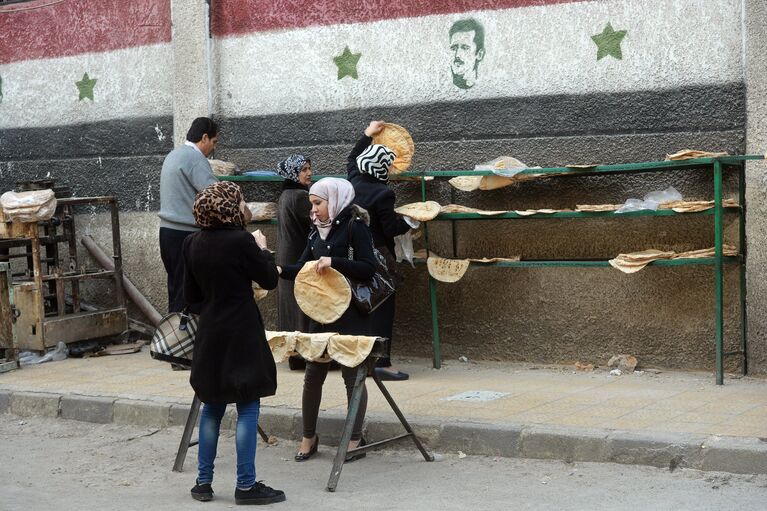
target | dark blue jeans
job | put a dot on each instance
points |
(246, 438)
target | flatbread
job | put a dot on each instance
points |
(446, 270)
(261, 211)
(259, 293)
(282, 344)
(597, 207)
(457, 208)
(421, 211)
(688, 154)
(312, 347)
(350, 350)
(528, 212)
(224, 168)
(582, 167)
(323, 297)
(397, 139)
(486, 260)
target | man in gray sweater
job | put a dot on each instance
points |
(185, 172)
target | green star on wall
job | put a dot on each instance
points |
(609, 42)
(85, 86)
(347, 63)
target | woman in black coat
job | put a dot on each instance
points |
(335, 219)
(368, 171)
(293, 211)
(232, 360)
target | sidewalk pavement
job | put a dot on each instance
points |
(550, 412)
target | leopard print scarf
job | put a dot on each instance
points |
(218, 205)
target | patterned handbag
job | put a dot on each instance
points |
(367, 296)
(173, 339)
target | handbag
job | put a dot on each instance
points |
(173, 339)
(368, 295)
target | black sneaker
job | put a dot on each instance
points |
(258, 494)
(202, 492)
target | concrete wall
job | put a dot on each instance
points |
(556, 82)
(756, 181)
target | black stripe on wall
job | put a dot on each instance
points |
(119, 137)
(689, 109)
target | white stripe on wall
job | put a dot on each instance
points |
(530, 51)
(132, 82)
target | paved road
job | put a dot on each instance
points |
(67, 465)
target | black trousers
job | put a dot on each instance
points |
(173, 260)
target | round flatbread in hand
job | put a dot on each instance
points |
(396, 138)
(421, 211)
(446, 270)
(325, 296)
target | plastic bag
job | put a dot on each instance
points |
(60, 352)
(506, 166)
(403, 248)
(651, 200)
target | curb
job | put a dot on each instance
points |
(659, 449)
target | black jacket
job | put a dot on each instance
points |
(336, 246)
(293, 211)
(232, 360)
(377, 198)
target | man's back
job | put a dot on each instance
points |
(185, 172)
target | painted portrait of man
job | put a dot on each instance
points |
(467, 47)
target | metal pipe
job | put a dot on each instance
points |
(133, 293)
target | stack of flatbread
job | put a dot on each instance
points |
(635, 261)
(727, 251)
(457, 208)
(261, 211)
(421, 211)
(325, 296)
(224, 168)
(695, 206)
(681, 206)
(529, 212)
(32, 206)
(597, 207)
(347, 350)
(397, 139)
(688, 154)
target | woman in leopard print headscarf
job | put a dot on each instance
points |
(232, 360)
(219, 205)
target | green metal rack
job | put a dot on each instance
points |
(717, 167)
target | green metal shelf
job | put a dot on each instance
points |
(574, 214)
(601, 263)
(717, 167)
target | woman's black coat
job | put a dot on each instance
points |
(293, 211)
(377, 198)
(336, 246)
(232, 360)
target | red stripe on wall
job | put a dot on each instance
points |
(44, 29)
(230, 17)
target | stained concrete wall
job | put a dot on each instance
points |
(756, 181)
(276, 88)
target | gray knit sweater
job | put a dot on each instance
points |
(185, 172)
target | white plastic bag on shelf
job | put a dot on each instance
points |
(33, 206)
(651, 200)
(403, 247)
(506, 166)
